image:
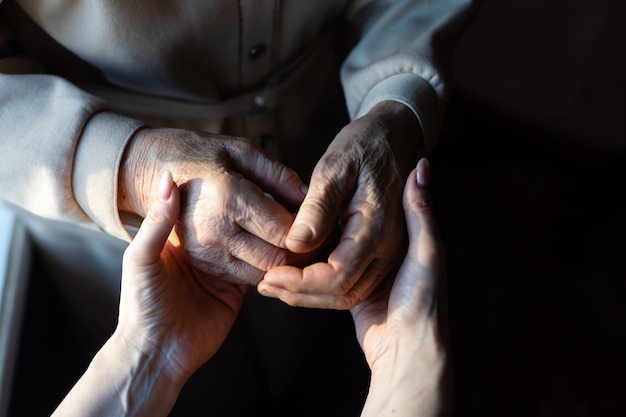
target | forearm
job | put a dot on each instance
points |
(122, 381)
(41, 118)
(60, 150)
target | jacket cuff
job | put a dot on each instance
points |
(416, 93)
(96, 169)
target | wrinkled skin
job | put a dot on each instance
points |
(230, 228)
(402, 325)
(169, 309)
(357, 183)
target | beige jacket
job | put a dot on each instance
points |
(78, 78)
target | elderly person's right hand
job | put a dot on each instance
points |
(229, 225)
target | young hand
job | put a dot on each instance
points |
(401, 327)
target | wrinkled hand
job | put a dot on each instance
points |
(401, 327)
(357, 183)
(166, 306)
(230, 228)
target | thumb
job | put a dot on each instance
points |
(158, 223)
(418, 209)
(317, 215)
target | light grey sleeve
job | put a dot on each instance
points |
(59, 149)
(401, 55)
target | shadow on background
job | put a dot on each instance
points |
(529, 179)
(536, 242)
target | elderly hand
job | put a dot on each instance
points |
(230, 228)
(401, 327)
(358, 182)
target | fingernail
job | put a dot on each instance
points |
(304, 189)
(423, 173)
(262, 289)
(165, 186)
(301, 232)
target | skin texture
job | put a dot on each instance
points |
(357, 184)
(228, 226)
(167, 303)
(172, 319)
(232, 230)
(171, 322)
(401, 327)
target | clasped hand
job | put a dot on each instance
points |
(172, 319)
(235, 222)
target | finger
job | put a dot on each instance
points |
(324, 301)
(318, 213)
(274, 177)
(419, 213)
(375, 273)
(256, 252)
(242, 273)
(345, 265)
(224, 266)
(260, 215)
(417, 284)
(158, 223)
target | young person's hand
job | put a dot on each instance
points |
(401, 327)
(167, 306)
(172, 319)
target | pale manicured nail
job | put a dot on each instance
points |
(301, 232)
(423, 173)
(165, 186)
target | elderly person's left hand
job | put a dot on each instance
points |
(357, 183)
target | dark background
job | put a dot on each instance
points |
(535, 237)
(528, 182)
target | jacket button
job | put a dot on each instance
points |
(257, 51)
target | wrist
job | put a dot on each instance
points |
(413, 375)
(414, 390)
(122, 380)
(137, 170)
(404, 132)
(404, 396)
(147, 386)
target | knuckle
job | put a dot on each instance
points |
(278, 258)
(347, 302)
(318, 207)
(350, 300)
(342, 286)
(286, 175)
